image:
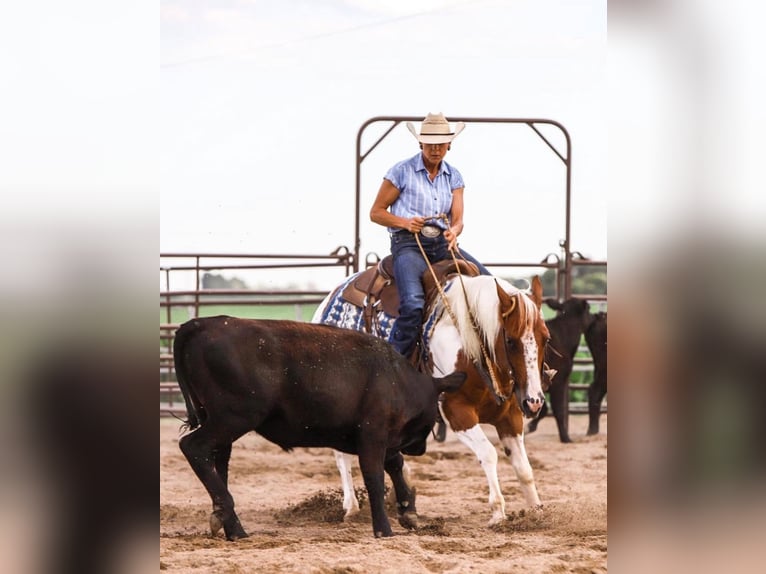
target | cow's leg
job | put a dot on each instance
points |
(371, 464)
(475, 439)
(405, 494)
(222, 455)
(344, 463)
(511, 433)
(200, 448)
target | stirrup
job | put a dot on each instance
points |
(440, 434)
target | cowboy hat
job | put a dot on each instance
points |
(435, 129)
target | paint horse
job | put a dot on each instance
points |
(476, 325)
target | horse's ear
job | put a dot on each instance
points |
(505, 299)
(507, 303)
(537, 291)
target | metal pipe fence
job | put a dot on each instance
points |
(198, 299)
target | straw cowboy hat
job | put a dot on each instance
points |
(435, 129)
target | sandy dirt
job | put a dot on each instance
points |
(290, 504)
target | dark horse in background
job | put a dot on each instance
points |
(595, 337)
(302, 385)
(477, 314)
(573, 320)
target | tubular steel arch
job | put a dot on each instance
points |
(565, 268)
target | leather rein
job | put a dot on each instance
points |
(486, 367)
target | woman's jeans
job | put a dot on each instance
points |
(409, 267)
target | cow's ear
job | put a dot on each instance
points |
(451, 382)
(553, 303)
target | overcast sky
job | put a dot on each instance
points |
(262, 101)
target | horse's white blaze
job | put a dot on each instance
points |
(350, 504)
(475, 439)
(520, 463)
(534, 383)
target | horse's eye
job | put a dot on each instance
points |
(510, 343)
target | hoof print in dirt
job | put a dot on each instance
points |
(433, 527)
(525, 520)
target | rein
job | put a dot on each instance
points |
(493, 383)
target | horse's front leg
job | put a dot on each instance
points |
(511, 433)
(344, 463)
(475, 439)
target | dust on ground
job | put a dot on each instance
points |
(290, 504)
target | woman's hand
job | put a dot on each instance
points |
(415, 224)
(451, 235)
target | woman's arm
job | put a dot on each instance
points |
(387, 194)
(456, 218)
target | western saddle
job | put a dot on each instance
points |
(375, 289)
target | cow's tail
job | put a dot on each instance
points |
(195, 412)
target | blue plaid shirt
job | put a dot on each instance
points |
(418, 195)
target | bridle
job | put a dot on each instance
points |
(483, 368)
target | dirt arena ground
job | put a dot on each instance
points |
(290, 504)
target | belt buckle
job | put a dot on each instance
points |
(431, 231)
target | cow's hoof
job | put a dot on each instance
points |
(408, 520)
(216, 523)
(236, 536)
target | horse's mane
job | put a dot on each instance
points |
(481, 294)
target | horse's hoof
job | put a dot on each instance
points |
(496, 519)
(350, 514)
(408, 520)
(351, 508)
(379, 534)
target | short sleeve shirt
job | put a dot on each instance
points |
(418, 195)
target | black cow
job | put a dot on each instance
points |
(572, 319)
(595, 337)
(302, 385)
